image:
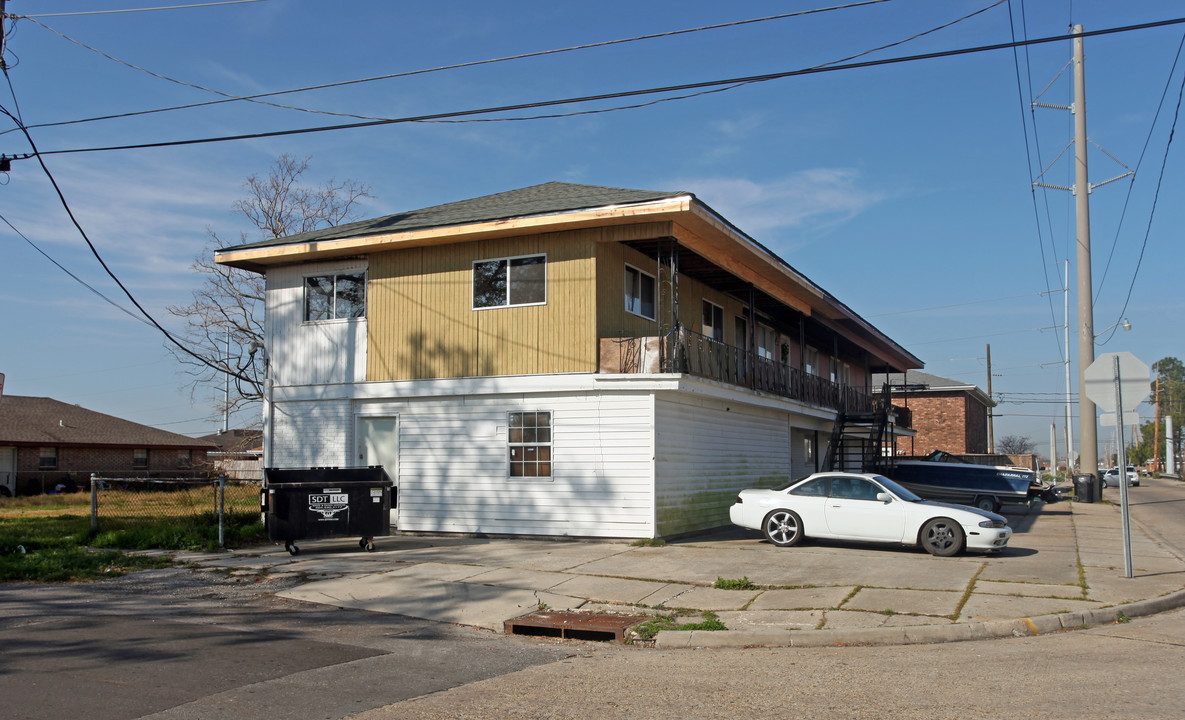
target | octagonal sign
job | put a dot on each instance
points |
(1134, 379)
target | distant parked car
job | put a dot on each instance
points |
(866, 508)
(1111, 477)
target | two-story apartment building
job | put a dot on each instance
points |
(556, 360)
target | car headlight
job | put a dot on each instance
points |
(990, 524)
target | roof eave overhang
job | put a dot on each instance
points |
(258, 259)
(694, 224)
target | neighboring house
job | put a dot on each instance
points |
(44, 442)
(557, 360)
(238, 453)
(947, 414)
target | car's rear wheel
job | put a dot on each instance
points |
(783, 528)
(942, 537)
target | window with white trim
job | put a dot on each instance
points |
(639, 292)
(810, 360)
(334, 297)
(713, 321)
(529, 438)
(506, 282)
(766, 339)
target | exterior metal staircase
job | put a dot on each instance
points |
(858, 439)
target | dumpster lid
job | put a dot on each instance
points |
(374, 474)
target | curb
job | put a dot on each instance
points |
(918, 634)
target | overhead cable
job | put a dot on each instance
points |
(623, 94)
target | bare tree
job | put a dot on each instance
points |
(1015, 445)
(228, 307)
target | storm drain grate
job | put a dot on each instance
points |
(573, 625)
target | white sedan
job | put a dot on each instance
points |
(866, 508)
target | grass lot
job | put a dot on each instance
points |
(48, 538)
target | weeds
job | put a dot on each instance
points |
(739, 584)
(654, 626)
(37, 546)
(649, 542)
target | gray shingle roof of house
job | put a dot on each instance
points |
(546, 199)
(45, 421)
(918, 381)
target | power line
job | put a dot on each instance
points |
(77, 279)
(1139, 162)
(1155, 200)
(437, 117)
(94, 250)
(227, 97)
(131, 10)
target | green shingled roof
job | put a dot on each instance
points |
(546, 199)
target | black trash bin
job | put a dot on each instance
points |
(1087, 488)
(317, 503)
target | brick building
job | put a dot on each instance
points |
(947, 414)
(44, 442)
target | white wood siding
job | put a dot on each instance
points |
(453, 467)
(332, 351)
(707, 450)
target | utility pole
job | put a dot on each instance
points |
(1087, 419)
(1069, 405)
(3, 32)
(991, 413)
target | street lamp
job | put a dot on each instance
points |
(1126, 326)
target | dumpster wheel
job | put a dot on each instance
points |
(291, 548)
(366, 544)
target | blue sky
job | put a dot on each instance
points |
(903, 189)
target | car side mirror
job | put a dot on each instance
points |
(884, 497)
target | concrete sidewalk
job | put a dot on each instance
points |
(1063, 569)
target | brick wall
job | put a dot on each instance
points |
(77, 464)
(952, 421)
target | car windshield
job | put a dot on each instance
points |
(896, 489)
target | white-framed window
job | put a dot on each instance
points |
(640, 292)
(334, 297)
(140, 459)
(766, 341)
(841, 373)
(511, 281)
(529, 440)
(48, 458)
(810, 360)
(713, 321)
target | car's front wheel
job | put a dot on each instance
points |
(783, 528)
(942, 537)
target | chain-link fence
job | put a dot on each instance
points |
(132, 503)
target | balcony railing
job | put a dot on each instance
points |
(691, 353)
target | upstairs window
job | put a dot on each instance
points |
(529, 434)
(810, 360)
(639, 293)
(334, 297)
(766, 338)
(507, 282)
(713, 321)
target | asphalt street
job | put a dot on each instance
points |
(178, 644)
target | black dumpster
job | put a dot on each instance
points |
(1086, 488)
(316, 503)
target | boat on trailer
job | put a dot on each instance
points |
(942, 476)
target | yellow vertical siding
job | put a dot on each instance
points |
(421, 323)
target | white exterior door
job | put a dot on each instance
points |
(378, 444)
